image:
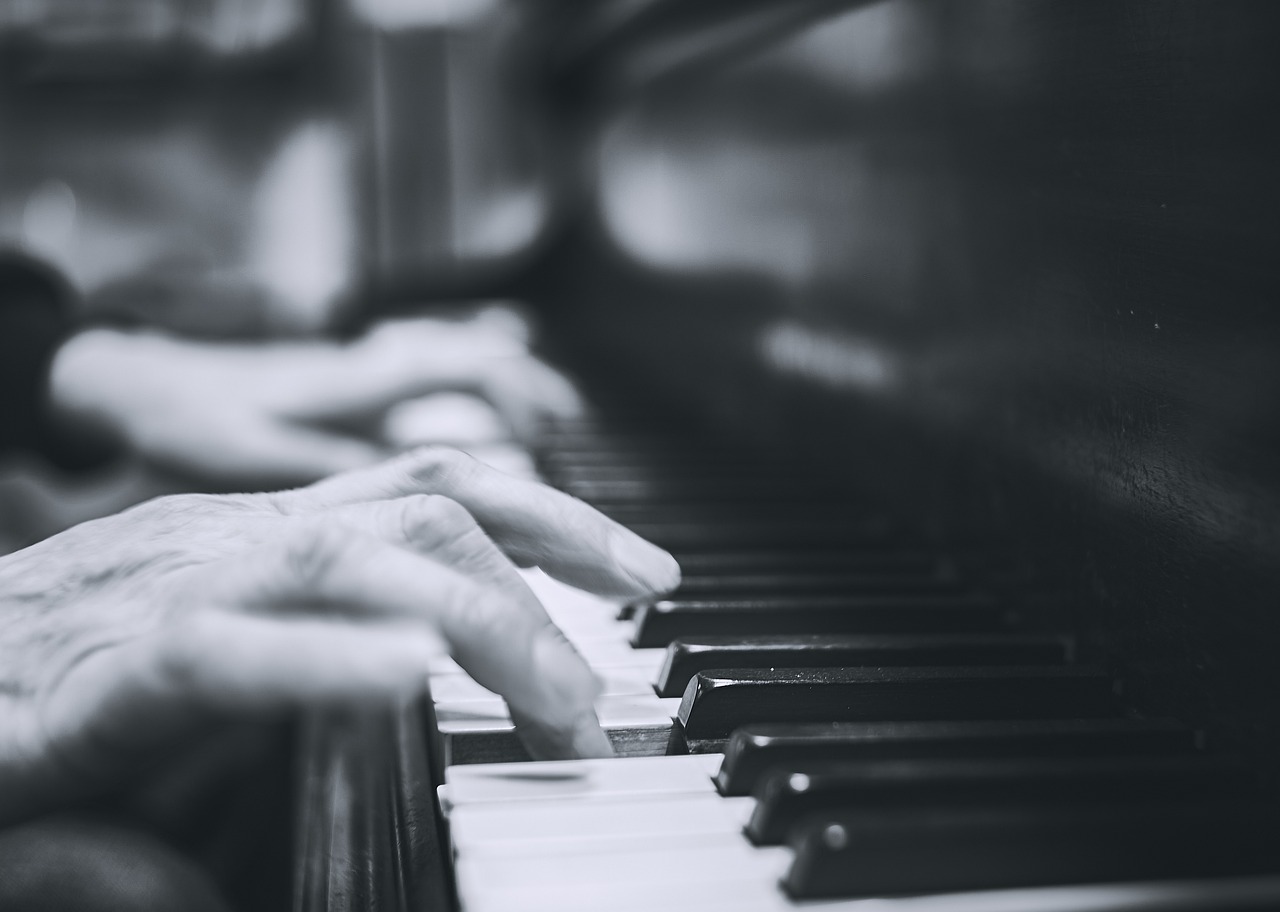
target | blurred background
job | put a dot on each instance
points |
(1007, 265)
(1011, 264)
(252, 170)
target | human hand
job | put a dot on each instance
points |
(124, 637)
(269, 414)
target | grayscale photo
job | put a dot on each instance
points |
(639, 455)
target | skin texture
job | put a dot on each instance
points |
(123, 638)
(270, 414)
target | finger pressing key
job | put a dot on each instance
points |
(533, 524)
(442, 529)
(507, 648)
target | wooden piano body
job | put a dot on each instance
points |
(1006, 268)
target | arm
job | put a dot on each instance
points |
(264, 414)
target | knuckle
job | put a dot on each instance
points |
(432, 520)
(311, 552)
(440, 469)
(488, 615)
(282, 503)
(440, 511)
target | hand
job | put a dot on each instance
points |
(266, 414)
(124, 637)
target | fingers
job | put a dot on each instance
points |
(533, 524)
(265, 453)
(504, 319)
(499, 640)
(434, 525)
(396, 361)
(283, 450)
(420, 339)
(488, 356)
(239, 662)
(120, 704)
(526, 391)
(456, 419)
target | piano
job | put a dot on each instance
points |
(938, 341)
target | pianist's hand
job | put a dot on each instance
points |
(268, 414)
(123, 638)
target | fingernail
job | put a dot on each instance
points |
(653, 569)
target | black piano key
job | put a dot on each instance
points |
(787, 797)
(694, 513)
(747, 477)
(560, 468)
(722, 586)
(703, 582)
(659, 623)
(709, 492)
(613, 461)
(870, 853)
(687, 656)
(849, 560)
(727, 585)
(755, 750)
(717, 535)
(717, 702)
(663, 507)
(644, 452)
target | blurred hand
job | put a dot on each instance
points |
(269, 413)
(124, 637)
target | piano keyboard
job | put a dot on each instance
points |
(654, 834)
(828, 713)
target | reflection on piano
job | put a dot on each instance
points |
(935, 341)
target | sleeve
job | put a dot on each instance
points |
(37, 311)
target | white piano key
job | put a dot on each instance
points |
(626, 682)
(613, 712)
(616, 652)
(585, 629)
(602, 653)
(555, 826)
(458, 687)
(579, 780)
(563, 600)
(739, 894)
(473, 716)
(639, 877)
(742, 892)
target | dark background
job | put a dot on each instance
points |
(1009, 264)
